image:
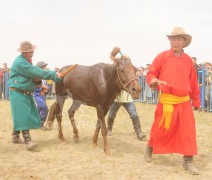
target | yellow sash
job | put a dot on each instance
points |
(168, 100)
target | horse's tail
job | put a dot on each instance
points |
(53, 111)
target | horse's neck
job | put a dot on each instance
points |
(113, 82)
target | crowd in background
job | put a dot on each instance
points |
(51, 87)
(4, 77)
(147, 95)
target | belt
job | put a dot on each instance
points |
(25, 92)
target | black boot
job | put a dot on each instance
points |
(188, 165)
(110, 122)
(29, 144)
(137, 127)
(16, 139)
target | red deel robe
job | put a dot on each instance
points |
(181, 78)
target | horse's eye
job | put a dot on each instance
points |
(121, 70)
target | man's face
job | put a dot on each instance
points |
(177, 42)
(194, 60)
(141, 70)
(28, 55)
(4, 65)
(44, 67)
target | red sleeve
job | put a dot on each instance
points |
(154, 68)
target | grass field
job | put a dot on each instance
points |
(54, 160)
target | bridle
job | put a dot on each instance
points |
(125, 85)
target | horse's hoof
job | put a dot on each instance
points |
(62, 140)
(76, 140)
(95, 145)
(107, 153)
(48, 125)
(48, 128)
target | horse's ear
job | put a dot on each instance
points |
(125, 57)
(113, 54)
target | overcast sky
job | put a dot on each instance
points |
(85, 31)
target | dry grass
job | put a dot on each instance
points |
(55, 160)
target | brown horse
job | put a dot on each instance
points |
(96, 86)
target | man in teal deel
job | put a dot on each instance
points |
(22, 78)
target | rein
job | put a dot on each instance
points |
(160, 84)
(125, 85)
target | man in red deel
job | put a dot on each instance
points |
(173, 130)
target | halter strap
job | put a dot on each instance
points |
(125, 85)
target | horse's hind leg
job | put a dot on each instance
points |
(75, 105)
(53, 111)
(60, 102)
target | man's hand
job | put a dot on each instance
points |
(44, 90)
(60, 75)
(154, 83)
(197, 109)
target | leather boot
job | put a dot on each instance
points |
(110, 122)
(16, 139)
(137, 127)
(29, 144)
(148, 154)
(188, 165)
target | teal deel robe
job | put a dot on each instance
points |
(22, 74)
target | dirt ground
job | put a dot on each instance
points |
(55, 160)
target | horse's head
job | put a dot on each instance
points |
(126, 74)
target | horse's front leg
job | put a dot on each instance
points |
(104, 135)
(96, 133)
(101, 124)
